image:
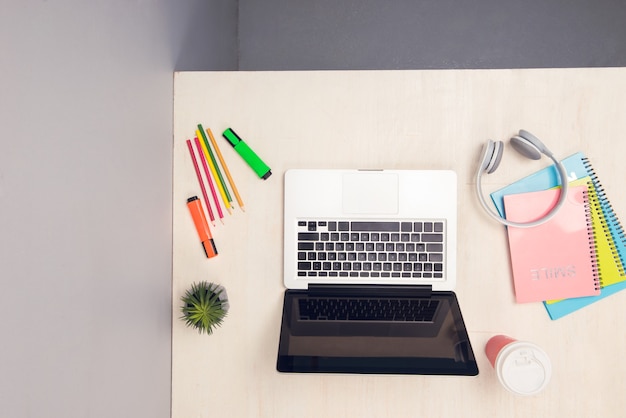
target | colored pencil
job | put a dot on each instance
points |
(216, 174)
(195, 165)
(226, 171)
(208, 176)
(217, 167)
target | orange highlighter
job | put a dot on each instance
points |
(197, 213)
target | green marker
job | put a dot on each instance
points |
(249, 156)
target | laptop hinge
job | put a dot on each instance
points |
(369, 289)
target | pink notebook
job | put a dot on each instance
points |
(555, 260)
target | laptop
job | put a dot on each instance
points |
(370, 269)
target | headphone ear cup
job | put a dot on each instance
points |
(529, 145)
(492, 156)
(525, 147)
(533, 140)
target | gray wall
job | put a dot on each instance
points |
(85, 155)
(407, 34)
(85, 198)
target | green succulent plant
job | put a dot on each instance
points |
(204, 306)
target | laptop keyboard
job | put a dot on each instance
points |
(394, 249)
(359, 309)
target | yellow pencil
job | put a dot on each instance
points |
(225, 167)
(214, 172)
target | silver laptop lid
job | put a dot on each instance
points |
(409, 210)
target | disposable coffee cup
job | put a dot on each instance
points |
(522, 367)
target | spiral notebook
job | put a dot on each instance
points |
(610, 269)
(579, 166)
(557, 259)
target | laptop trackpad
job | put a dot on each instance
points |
(370, 193)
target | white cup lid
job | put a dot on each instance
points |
(523, 368)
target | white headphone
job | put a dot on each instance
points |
(529, 146)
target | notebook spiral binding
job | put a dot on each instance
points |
(593, 202)
(610, 217)
(592, 246)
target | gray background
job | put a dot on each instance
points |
(86, 152)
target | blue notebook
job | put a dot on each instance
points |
(577, 166)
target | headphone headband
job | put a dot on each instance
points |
(530, 146)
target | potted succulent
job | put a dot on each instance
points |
(204, 306)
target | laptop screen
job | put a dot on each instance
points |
(436, 344)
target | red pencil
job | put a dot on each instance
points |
(195, 165)
(208, 176)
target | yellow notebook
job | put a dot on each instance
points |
(610, 266)
(605, 247)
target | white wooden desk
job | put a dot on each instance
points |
(402, 120)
